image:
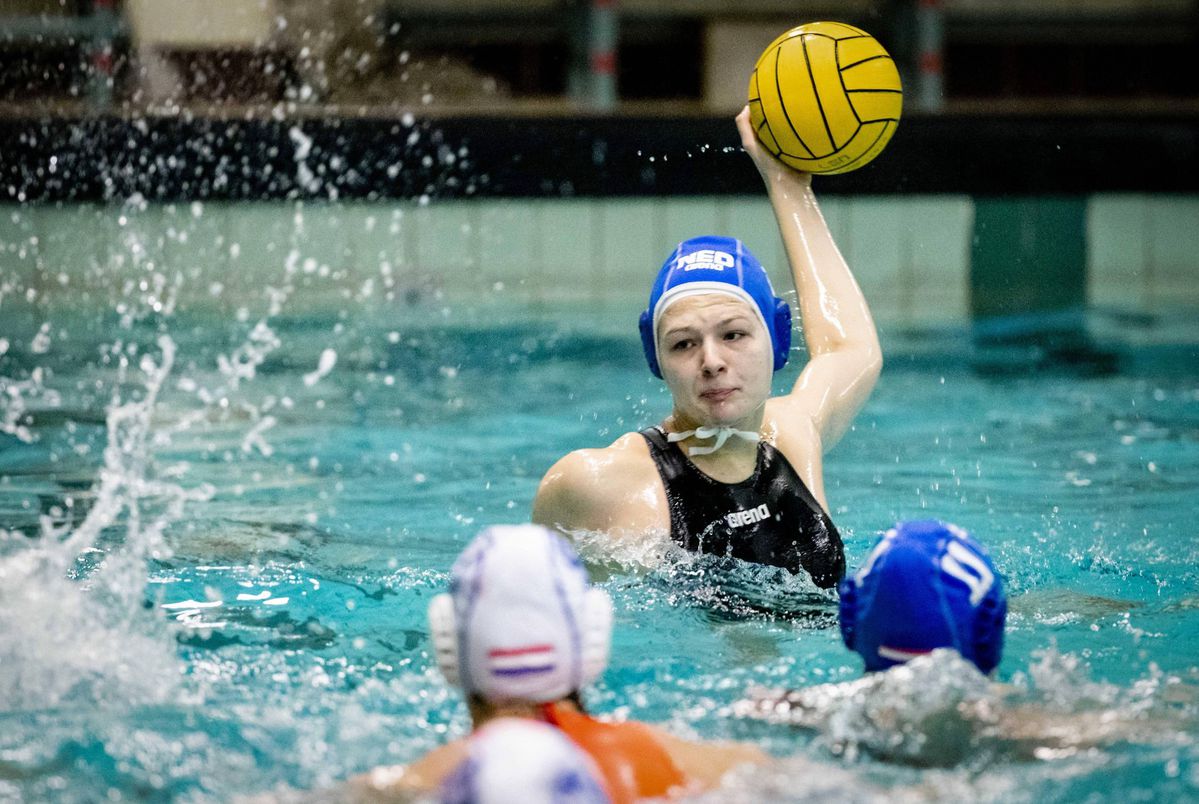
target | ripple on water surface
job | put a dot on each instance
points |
(268, 631)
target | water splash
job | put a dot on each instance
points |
(78, 588)
(306, 178)
(822, 782)
(606, 551)
(72, 601)
(721, 585)
(18, 395)
(328, 360)
(939, 711)
(918, 713)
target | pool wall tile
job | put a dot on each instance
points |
(684, 218)
(1116, 252)
(935, 259)
(365, 244)
(69, 238)
(218, 248)
(751, 219)
(568, 251)
(23, 234)
(442, 239)
(264, 237)
(508, 246)
(1172, 242)
(321, 237)
(631, 249)
(871, 242)
(910, 254)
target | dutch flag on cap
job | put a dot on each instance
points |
(528, 660)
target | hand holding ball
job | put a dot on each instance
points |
(825, 97)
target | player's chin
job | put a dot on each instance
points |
(725, 410)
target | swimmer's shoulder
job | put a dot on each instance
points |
(790, 427)
(592, 489)
(706, 763)
(403, 783)
(602, 465)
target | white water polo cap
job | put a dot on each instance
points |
(516, 761)
(521, 621)
(713, 264)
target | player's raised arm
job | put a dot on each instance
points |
(844, 358)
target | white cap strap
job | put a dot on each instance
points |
(721, 434)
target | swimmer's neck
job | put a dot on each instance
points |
(678, 421)
(735, 450)
(483, 712)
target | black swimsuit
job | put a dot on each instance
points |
(768, 518)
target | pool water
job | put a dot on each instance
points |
(219, 534)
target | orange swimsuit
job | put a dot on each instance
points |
(633, 762)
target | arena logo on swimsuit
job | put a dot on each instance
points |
(748, 517)
(706, 260)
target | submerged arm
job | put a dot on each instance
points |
(844, 358)
(399, 784)
(706, 763)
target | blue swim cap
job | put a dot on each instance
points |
(925, 585)
(714, 264)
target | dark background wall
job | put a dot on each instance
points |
(174, 158)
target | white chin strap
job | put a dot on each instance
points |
(721, 434)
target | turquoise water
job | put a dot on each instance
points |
(220, 531)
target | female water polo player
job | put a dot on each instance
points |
(522, 631)
(732, 470)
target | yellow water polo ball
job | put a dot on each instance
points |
(825, 97)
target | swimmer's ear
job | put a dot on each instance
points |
(848, 590)
(989, 621)
(649, 342)
(782, 333)
(443, 630)
(597, 634)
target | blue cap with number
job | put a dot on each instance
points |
(925, 585)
